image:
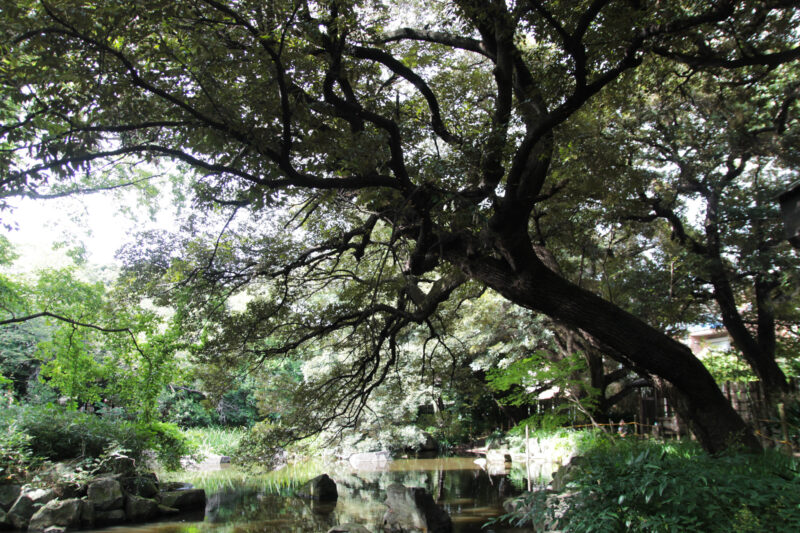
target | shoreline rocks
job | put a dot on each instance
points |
(27, 504)
(322, 489)
(108, 500)
(59, 513)
(349, 528)
(8, 495)
(412, 510)
(105, 494)
(370, 460)
(183, 500)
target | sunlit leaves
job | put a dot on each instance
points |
(93, 348)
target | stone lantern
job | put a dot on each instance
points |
(790, 209)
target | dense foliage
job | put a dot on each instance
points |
(82, 341)
(359, 170)
(194, 408)
(31, 435)
(633, 485)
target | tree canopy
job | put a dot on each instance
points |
(362, 169)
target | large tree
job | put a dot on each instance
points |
(414, 147)
(691, 229)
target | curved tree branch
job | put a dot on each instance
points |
(438, 37)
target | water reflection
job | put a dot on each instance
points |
(238, 503)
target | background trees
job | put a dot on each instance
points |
(364, 172)
(77, 338)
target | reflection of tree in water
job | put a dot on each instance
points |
(471, 496)
(541, 473)
(256, 510)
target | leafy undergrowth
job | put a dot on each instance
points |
(31, 436)
(633, 485)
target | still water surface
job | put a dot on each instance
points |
(242, 503)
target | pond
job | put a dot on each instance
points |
(242, 503)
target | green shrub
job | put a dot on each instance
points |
(190, 413)
(163, 438)
(56, 433)
(190, 409)
(238, 408)
(631, 485)
(261, 446)
(16, 458)
(186, 408)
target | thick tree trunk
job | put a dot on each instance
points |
(569, 342)
(693, 392)
(759, 354)
(765, 326)
(759, 349)
(597, 381)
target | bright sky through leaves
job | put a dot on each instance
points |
(102, 222)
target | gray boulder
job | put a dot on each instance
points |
(183, 499)
(139, 509)
(144, 485)
(566, 473)
(87, 514)
(164, 510)
(109, 518)
(106, 494)
(28, 502)
(68, 491)
(412, 510)
(59, 513)
(8, 495)
(322, 489)
(121, 464)
(370, 460)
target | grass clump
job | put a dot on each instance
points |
(215, 440)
